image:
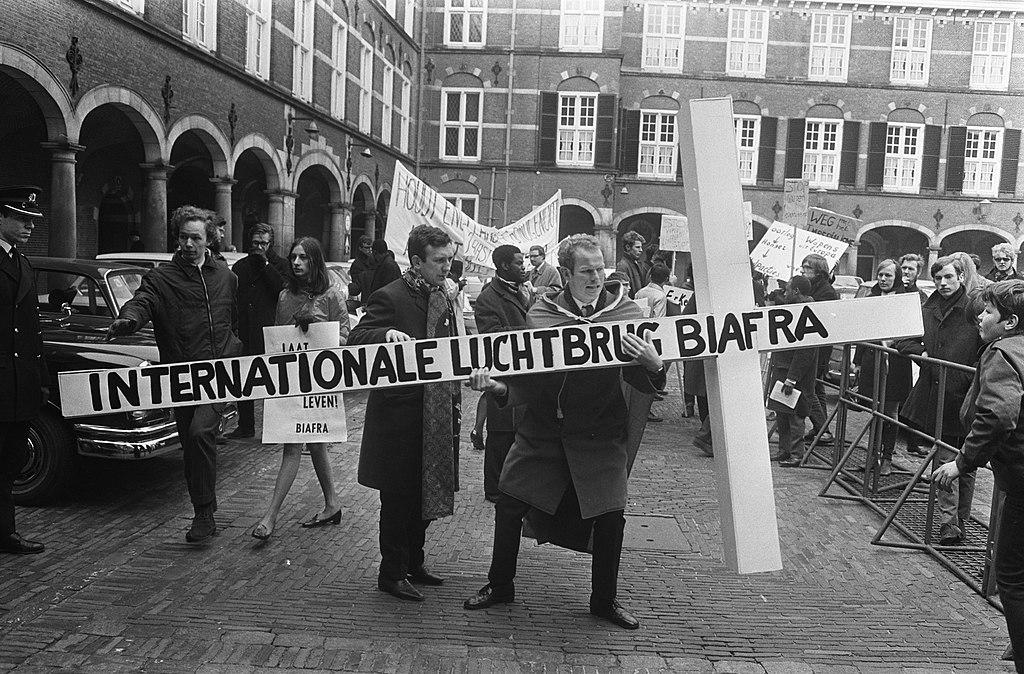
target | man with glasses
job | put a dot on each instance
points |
(1005, 259)
(543, 277)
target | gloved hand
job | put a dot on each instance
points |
(303, 320)
(121, 326)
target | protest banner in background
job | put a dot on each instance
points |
(413, 203)
(795, 202)
(312, 418)
(571, 347)
(775, 257)
(833, 225)
(675, 235)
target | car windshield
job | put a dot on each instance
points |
(123, 283)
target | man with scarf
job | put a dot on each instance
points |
(409, 450)
(576, 441)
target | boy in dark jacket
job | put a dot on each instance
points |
(995, 415)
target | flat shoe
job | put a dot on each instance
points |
(617, 615)
(261, 532)
(315, 520)
(487, 597)
(422, 576)
(399, 588)
(15, 544)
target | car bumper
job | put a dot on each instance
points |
(127, 443)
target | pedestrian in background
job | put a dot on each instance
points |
(543, 277)
(1004, 259)
(654, 292)
(382, 271)
(816, 269)
(362, 263)
(794, 368)
(632, 262)
(261, 276)
(308, 298)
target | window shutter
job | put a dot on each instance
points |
(604, 136)
(795, 149)
(955, 158)
(547, 140)
(1011, 152)
(629, 139)
(848, 158)
(766, 149)
(876, 155)
(930, 157)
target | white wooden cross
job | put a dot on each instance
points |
(721, 272)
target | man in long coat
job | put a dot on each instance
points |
(575, 443)
(410, 442)
(23, 376)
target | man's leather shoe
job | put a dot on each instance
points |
(422, 576)
(399, 588)
(952, 541)
(240, 433)
(487, 596)
(203, 525)
(616, 614)
(16, 545)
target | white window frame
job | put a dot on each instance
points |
(366, 57)
(744, 150)
(134, 6)
(815, 148)
(659, 147)
(392, 8)
(973, 166)
(824, 52)
(339, 66)
(574, 19)
(302, 50)
(745, 47)
(578, 134)
(460, 13)
(462, 125)
(904, 159)
(404, 112)
(409, 16)
(257, 37)
(658, 41)
(984, 56)
(909, 50)
(199, 23)
(460, 200)
(387, 98)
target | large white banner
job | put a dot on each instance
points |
(413, 203)
(773, 256)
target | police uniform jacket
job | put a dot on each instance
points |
(22, 369)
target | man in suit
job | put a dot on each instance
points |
(500, 307)
(23, 376)
(409, 450)
(543, 276)
(632, 263)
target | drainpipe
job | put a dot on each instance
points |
(508, 109)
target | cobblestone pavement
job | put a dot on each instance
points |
(118, 589)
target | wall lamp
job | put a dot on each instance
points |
(289, 141)
(349, 146)
(982, 210)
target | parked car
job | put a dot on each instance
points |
(150, 260)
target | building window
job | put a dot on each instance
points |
(465, 23)
(199, 22)
(663, 35)
(339, 67)
(302, 68)
(982, 157)
(577, 126)
(830, 46)
(911, 48)
(407, 18)
(404, 107)
(748, 138)
(136, 6)
(582, 25)
(257, 38)
(387, 96)
(903, 149)
(990, 64)
(365, 85)
(392, 7)
(466, 203)
(748, 42)
(657, 145)
(822, 144)
(462, 115)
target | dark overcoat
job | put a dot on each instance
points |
(896, 370)
(499, 308)
(23, 372)
(259, 285)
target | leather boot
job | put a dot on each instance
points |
(203, 524)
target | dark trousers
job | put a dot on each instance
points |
(508, 528)
(246, 415)
(197, 430)
(496, 448)
(403, 532)
(1010, 573)
(13, 454)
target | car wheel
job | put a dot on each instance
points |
(49, 463)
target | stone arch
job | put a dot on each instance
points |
(362, 180)
(319, 157)
(977, 226)
(824, 111)
(572, 201)
(578, 83)
(49, 94)
(141, 113)
(209, 133)
(463, 80)
(636, 211)
(928, 232)
(267, 154)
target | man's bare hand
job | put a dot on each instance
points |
(120, 327)
(396, 336)
(480, 380)
(945, 474)
(642, 350)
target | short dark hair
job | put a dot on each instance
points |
(365, 240)
(913, 257)
(631, 237)
(818, 264)
(945, 260)
(379, 246)
(801, 284)
(183, 214)
(538, 248)
(422, 236)
(567, 249)
(504, 254)
(262, 228)
(319, 280)
(659, 273)
(1008, 298)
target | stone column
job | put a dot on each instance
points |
(154, 208)
(63, 201)
(605, 235)
(370, 222)
(222, 204)
(933, 255)
(341, 220)
(281, 216)
(850, 259)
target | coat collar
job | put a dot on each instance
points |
(508, 294)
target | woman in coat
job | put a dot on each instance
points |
(309, 297)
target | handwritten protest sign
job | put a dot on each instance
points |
(310, 418)
(678, 296)
(775, 256)
(571, 347)
(674, 233)
(833, 225)
(413, 203)
(795, 202)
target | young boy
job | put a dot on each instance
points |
(995, 415)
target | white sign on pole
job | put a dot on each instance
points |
(775, 257)
(678, 296)
(674, 233)
(833, 225)
(795, 202)
(310, 418)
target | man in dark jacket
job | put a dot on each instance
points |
(23, 376)
(363, 262)
(500, 307)
(1004, 258)
(816, 269)
(191, 302)
(382, 271)
(409, 448)
(261, 276)
(632, 263)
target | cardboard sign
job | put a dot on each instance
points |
(571, 347)
(833, 225)
(309, 418)
(773, 256)
(678, 296)
(795, 202)
(674, 233)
